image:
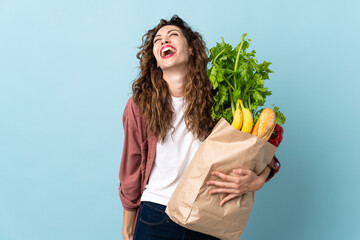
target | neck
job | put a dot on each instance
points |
(176, 80)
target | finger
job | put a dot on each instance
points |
(224, 177)
(241, 172)
(223, 184)
(224, 190)
(228, 198)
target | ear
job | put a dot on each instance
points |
(190, 51)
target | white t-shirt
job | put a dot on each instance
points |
(172, 157)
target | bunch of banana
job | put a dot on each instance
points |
(243, 120)
(247, 119)
(238, 116)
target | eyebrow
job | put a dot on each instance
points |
(167, 32)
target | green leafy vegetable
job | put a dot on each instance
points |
(280, 118)
(235, 74)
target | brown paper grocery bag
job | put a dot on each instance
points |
(223, 150)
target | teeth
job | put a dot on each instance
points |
(165, 49)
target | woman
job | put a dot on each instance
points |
(165, 121)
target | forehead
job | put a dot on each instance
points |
(165, 29)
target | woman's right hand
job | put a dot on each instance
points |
(128, 224)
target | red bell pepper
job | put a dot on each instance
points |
(277, 135)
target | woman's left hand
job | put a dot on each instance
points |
(235, 185)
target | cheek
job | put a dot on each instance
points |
(155, 50)
(156, 57)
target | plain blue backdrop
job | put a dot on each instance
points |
(65, 74)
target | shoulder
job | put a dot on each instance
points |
(133, 116)
(132, 110)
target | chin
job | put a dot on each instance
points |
(172, 66)
(167, 66)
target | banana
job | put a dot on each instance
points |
(247, 119)
(238, 118)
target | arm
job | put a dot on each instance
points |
(242, 181)
(130, 172)
(128, 224)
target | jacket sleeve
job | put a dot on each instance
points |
(130, 173)
(274, 168)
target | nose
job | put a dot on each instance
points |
(165, 40)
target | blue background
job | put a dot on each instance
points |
(65, 74)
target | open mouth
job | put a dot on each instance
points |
(167, 51)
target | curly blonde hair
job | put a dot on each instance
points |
(152, 94)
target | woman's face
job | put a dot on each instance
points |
(171, 49)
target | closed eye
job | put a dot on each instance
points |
(172, 34)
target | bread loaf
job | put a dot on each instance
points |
(265, 124)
